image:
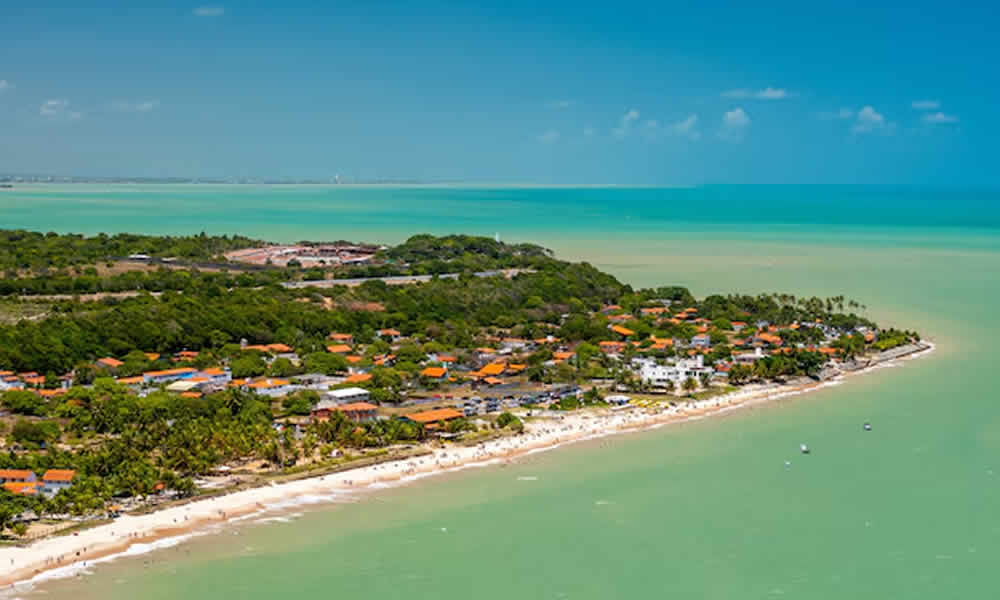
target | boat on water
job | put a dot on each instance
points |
(804, 448)
(868, 426)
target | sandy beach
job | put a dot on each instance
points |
(68, 554)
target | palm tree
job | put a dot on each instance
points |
(690, 384)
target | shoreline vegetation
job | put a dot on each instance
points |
(151, 384)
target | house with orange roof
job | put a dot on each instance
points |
(358, 378)
(34, 380)
(492, 381)
(492, 369)
(619, 318)
(433, 417)
(622, 331)
(610, 308)
(109, 363)
(272, 388)
(768, 338)
(738, 326)
(609, 347)
(216, 375)
(653, 311)
(434, 372)
(392, 335)
(22, 488)
(343, 338)
(152, 356)
(562, 356)
(339, 349)
(191, 395)
(55, 480)
(187, 355)
(51, 393)
(166, 375)
(10, 382)
(137, 380)
(17, 476)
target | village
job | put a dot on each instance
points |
(446, 393)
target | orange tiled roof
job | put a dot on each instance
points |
(15, 473)
(339, 348)
(190, 395)
(178, 371)
(34, 380)
(213, 371)
(447, 359)
(268, 383)
(622, 330)
(353, 359)
(562, 355)
(59, 475)
(434, 372)
(130, 380)
(341, 337)
(389, 332)
(107, 361)
(25, 488)
(493, 380)
(358, 378)
(51, 393)
(493, 369)
(433, 416)
(152, 356)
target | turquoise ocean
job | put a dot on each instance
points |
(706, 509)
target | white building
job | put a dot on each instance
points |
(347, 395)
(672, 374)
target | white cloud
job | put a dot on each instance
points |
(869, 120)
(55, 109)
(939, 118)
(686, 128)
(736, 118)
(5, 85)
(925, 104)
(559, 104)
(734, 123)
(768, 93)
(210, 10)
(140, 107)
(626, 123)
(549, 137)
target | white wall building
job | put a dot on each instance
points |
(659, 375)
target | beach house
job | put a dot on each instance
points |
(56, 480)
(156, 377)
(431, 419)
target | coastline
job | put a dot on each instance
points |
(68, 555)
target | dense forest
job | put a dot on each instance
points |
(27, 250)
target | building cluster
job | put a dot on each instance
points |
(26, 482)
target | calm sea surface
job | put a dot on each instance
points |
(702, 510)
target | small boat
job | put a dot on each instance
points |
(868, 426)
(804, 448)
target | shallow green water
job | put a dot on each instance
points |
(701, 510)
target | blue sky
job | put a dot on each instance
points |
(565, 92)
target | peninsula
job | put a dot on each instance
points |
(149, 384)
